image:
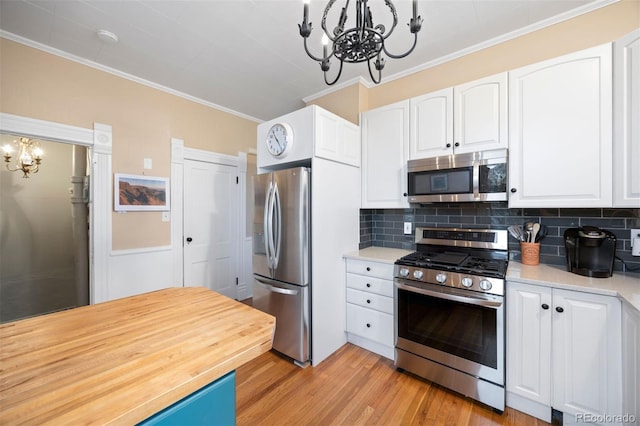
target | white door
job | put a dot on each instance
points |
(210, 226)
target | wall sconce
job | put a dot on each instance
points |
(28, 159)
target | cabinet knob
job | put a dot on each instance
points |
(559, 309)
(405, 194)
(189, 239)
(368, 284)
(448, 145)
(368, 268)
(368, 325)
(513, 190)
(368, 301)
(457, 144)
(545, 306)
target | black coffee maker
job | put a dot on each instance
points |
(590, 251)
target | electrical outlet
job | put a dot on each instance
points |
(407, 228)
(634, 233)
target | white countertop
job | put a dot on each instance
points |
(626, 286)
(378, 254)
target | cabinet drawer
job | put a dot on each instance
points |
(370, 324)
(371, 269)
(370, 300)
(370, 284)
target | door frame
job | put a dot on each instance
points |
(99, 141)
(179, 153)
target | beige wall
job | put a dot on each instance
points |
(43, 86)
(597, 27)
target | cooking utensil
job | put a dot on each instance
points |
(534, 232)
(516, 232)
(542, 233)
(528, 230)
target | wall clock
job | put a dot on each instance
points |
(279, 139)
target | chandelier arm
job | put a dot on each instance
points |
(337, 77)
(306, 49)
(323, 24)
(394, 13)
(391, 55)
(371, 73)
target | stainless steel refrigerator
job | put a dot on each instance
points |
(281, 262)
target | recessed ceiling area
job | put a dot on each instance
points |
(247, 55)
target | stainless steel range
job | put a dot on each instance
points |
(449, 311)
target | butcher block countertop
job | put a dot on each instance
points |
(122, 361)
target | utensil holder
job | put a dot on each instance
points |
(530, 253)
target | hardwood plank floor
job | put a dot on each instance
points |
(353, 387)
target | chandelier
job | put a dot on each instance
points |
(28, 159)
(364, 42)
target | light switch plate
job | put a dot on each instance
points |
(148, 164)
(407, 228)
(166, 217)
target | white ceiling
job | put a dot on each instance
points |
(247, 55)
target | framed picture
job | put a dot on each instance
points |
(140, 193)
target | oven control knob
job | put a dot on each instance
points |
(417, 275)
(404, 272)
(467, 282)
(441, 278)
(485, 285)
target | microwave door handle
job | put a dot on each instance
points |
(476, 180)
(456, 298)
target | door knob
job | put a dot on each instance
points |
(189, 239)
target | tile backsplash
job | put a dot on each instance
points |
(384, 227)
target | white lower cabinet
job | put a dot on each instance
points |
(564, 351)
(631, 363)
(370, 306)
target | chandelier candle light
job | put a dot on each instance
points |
(29, 156)
(364, 42)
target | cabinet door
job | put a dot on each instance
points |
(336, 139)
(480, 114)
(431, 124)
(586, 363)
(631, 360)
(385, 141)
(529, 342)
(626, 130)
(560, 131)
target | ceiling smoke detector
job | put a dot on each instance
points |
(107, 36)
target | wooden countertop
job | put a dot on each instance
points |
(121, 361)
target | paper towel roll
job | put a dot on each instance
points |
(636, 247)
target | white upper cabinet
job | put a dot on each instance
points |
(465, 118)
(385, 142)
(336, 138)
(626, 130)
(560, 131)
(431, 124)
(480, 114)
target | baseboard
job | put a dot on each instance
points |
(527, 406)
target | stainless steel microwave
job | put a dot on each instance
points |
(475, 176)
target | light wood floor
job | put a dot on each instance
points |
(353, 387)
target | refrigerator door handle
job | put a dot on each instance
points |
(267, 225)
(278, 225)
(276, 289)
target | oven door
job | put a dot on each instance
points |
(457, 328)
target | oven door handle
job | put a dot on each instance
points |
(448, 296)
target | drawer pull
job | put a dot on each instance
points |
(368, 325)
(368, 284)
(368, 301)
(368, 268)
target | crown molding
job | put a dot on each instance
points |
(338, 87)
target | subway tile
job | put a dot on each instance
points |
(581, 212)
(540, 212)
